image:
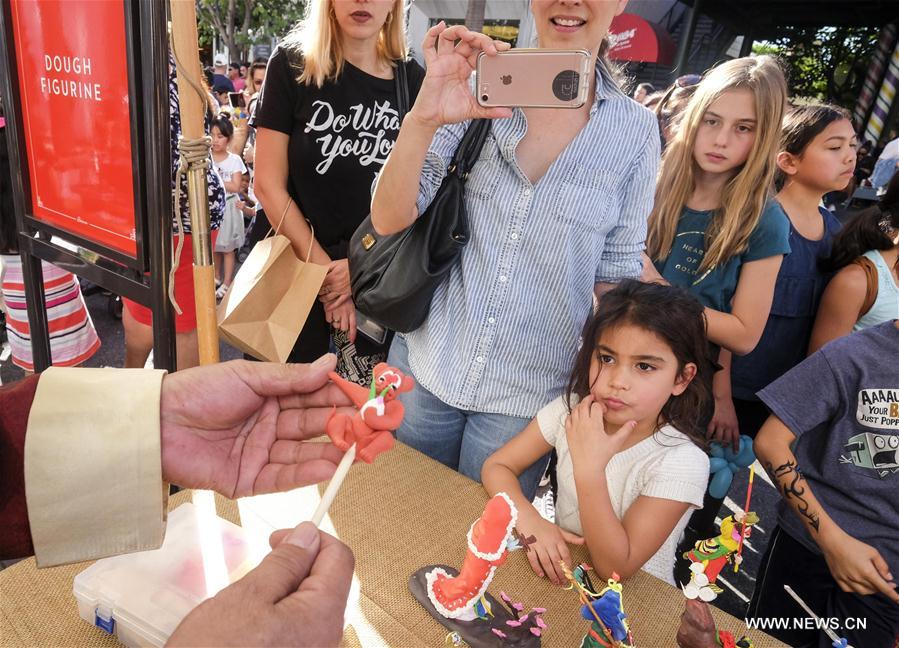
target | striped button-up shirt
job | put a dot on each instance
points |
(505, 325)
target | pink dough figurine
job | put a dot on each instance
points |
(378, 416)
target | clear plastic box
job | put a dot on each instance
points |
(142, 597)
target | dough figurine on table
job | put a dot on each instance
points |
(378, 416)
(609, 627)
(459, 599)
(710, 556)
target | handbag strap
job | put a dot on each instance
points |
(402, 89)
(469, 149)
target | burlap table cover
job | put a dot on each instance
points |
(401, 513)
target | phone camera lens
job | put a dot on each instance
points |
(484, 97)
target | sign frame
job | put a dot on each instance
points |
(144, 277)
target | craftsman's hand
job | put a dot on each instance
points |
(591, 446)
(243, 428)
(549, 547)
(295, 597)
(856, 566)
(724, 426)
(336, 286)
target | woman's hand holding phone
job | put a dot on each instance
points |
(451, 55)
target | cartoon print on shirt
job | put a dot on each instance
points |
(877, 408)
(879, 452)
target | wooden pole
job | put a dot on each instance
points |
(193, 108)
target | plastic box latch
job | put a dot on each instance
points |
(103, 619)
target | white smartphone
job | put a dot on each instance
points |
(533, 78)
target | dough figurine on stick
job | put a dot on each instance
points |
(710, 556)
(368, 433)
(609, 627)
(380, 413)
(459, 599)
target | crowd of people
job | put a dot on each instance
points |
(646, 275)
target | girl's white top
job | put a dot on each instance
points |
(666, 465)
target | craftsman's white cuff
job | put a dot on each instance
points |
(93, 469)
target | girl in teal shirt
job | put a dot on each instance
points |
(713, 229)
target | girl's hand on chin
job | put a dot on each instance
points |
(451, 55)
(588, 440)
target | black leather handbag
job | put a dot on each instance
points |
(394, 277)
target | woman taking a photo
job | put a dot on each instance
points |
(326, 120)
(557, 207)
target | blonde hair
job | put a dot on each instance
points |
(744, 196)
(317, 38)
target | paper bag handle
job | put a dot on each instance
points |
(281, 222)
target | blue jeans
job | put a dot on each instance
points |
(459, 439)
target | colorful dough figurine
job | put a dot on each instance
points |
(609, 627)
(459, 599)
(697, 629)
(709, 557)
(379, 412)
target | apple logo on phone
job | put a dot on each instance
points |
(506, 79)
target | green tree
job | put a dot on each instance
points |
(826, 64)
(242, 23)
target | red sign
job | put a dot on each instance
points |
(633, 38)
(73, 84)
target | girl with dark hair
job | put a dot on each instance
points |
(231, 234)
(631, 463)
(817, 156)
(865, 256)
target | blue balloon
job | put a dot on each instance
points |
(720, 483)
(746, 456)
(724, 463)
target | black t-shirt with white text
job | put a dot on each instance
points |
(340, 136)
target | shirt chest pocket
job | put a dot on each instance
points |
(484, 176)
(583, 201)
(794, 297)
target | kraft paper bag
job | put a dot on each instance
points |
(269, 300)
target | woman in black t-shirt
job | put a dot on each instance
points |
(326, 120)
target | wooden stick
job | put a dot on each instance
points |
(193, 109)
(334, 485)
(745, 512)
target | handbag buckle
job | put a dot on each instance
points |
(452, 169)
(368, 242)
